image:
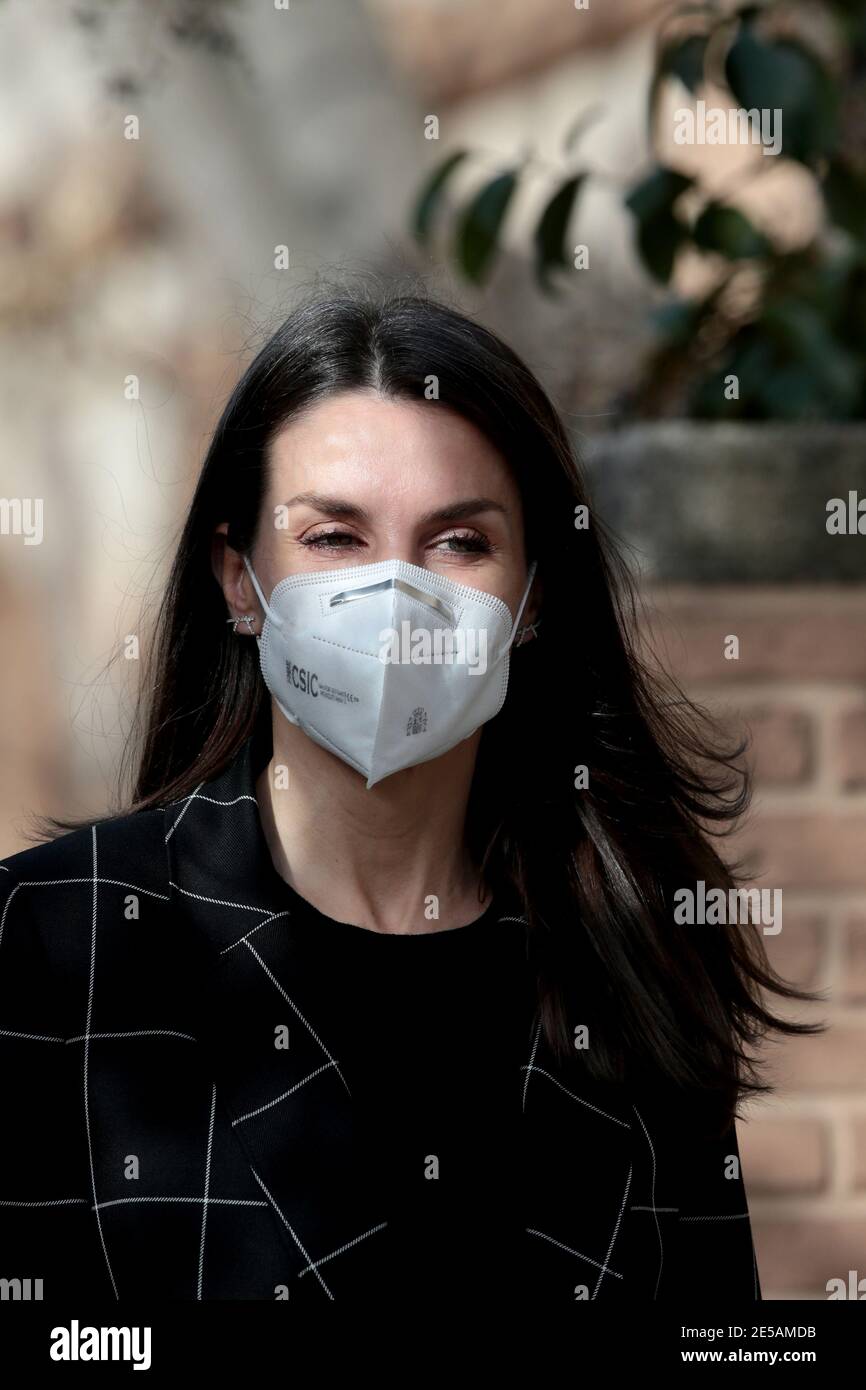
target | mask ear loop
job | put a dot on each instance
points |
(516, 623)
(275, 619)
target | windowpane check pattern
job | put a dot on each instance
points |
(158, 1144)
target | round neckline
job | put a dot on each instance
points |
(305, 910)
(259, 749)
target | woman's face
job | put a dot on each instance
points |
(358, 479)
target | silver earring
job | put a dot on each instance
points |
(524, 628)
(248, 618)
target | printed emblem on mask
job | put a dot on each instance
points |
(417, 721)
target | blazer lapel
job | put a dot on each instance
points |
(274, 1037)
(271, 1030)
(277, 1057)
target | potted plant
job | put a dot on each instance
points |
(775, 335)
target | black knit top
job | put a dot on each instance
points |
(436, 1033)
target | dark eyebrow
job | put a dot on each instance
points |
(350, 511)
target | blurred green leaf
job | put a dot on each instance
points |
(851, 326)
(430, 194)
(677, 319)
(658, 241)
(656, 193)
(549, 242)
(659, 232)
(751, 362)
(791, 392)
(783, 75)
(728, 232)
(683, 58)
(802, 354)
(480, 224)
(851, 17)
(807, 340)
(845, 196)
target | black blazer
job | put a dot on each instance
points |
(158, 1146)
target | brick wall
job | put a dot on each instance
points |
(799, 685)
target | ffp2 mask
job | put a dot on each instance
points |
(385, 665)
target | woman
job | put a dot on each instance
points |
(376, 989)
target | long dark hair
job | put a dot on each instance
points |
(594, 868)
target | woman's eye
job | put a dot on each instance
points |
(330, 540)
(471, 543)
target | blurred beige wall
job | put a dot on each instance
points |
(153, 261)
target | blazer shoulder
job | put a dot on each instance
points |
(125, 848)
(53, 895)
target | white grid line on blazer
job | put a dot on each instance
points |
(312, 1265)
(189, 800)
(615, 1232)
(86, 1061)
(276, 1101)
(292, 1233)
(80, 1037)
(241, 941)
(605, 1269)
(206, 1187)
(349, 1244)
(292, 1005)
(55, 882)
(653, 1197)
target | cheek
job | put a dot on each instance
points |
(494, 581)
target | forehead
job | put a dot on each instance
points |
(363, 440)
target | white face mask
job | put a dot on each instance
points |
(386, 665)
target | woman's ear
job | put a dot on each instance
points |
(231, 575)
(534, 601)
(217, 552)
(531, 612)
